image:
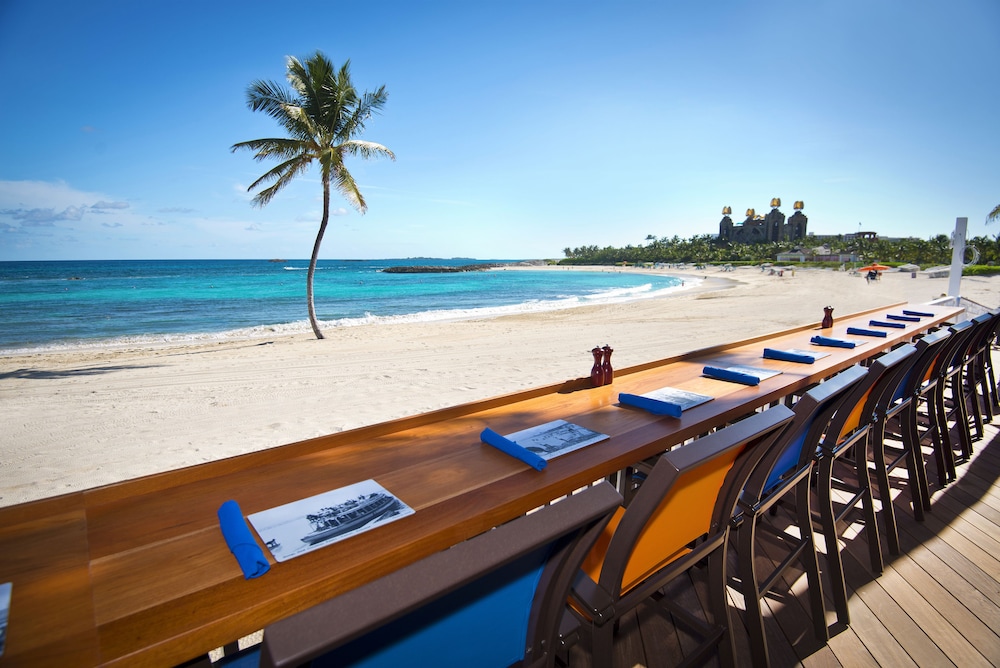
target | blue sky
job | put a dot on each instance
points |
(520, 127)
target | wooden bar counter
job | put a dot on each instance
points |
(137, 573)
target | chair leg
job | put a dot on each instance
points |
(970, 401)
(917, 475)
(991, 383)
(719, 607)
(961, 417)
(867, 499)
(817, 605)
(980, 405)
(747, 539)
(828, 524)
(944, 453)
(910, 433)
(877, 437)
(985, 390)
(602, 639)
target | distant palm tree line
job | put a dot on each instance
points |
(708, 248)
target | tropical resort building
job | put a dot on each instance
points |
(762, 229)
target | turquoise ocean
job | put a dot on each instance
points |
(72, 304)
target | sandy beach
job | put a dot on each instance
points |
(78, 419)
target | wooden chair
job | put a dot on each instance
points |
(845, 446)
(679, 516)
(494, 600)
(786, 471)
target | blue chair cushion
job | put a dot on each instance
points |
(787, 462)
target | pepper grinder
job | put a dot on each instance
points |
(827, 317)
(609, 373)
(597, 371)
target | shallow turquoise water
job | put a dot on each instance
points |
(54, 304)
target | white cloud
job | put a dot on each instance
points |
(48, 214)
(51, 195)
(109, 205)
(43, 217)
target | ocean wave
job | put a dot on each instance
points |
(610, 296)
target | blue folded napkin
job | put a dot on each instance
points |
(835, 343)
(918, 313)
(879, 323)
(731, 376)
(656, 406)
(907, 318)
(499, 442)
(240, 541)
(866, 332)
(785, 356)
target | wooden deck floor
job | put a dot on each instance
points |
(935, 604)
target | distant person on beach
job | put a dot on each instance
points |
(871, 276)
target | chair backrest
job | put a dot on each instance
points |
(953, 360)
(494, 600)
(689, 495)
(796, 448)
(985, 326)
(920, 375)
(994, 329)
(863, 404)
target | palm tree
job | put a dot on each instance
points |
(323, 115)
(994, 214)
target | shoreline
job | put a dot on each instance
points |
(302, 326)
(80, 419)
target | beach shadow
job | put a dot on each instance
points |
(42, 374)
(219, 350)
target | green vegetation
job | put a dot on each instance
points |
(708, 249)
(323, 115)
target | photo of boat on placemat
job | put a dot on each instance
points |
(305, 525)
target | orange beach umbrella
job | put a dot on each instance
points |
(875, 267)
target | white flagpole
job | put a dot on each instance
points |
(957, 259)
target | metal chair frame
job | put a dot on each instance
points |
(732, 451)
(769, 485)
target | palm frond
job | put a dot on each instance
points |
(273, 147)
(994, 214)
(269, 97)
(367, 149)
(366, 106)
(348, 189)
(282, 175)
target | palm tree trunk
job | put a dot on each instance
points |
(315, 256)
